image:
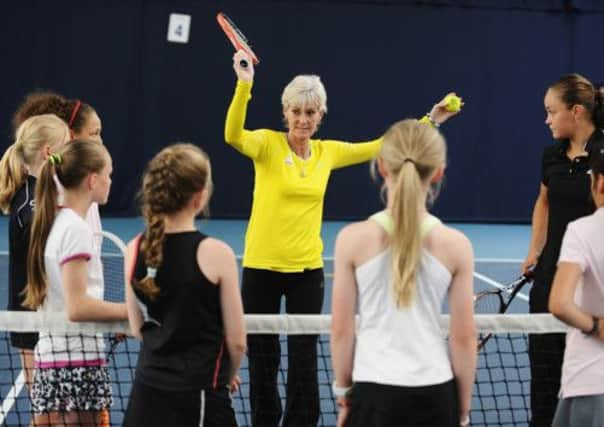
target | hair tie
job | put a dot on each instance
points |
(408, 159)
(55, 159)
(151, 272)
(76, 107)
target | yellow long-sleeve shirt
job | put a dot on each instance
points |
(284, 231)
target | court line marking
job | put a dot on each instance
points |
(11, 397)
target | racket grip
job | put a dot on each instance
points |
(243, 63)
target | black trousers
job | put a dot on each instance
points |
(262, 291)
(379, 405)
(546, 353)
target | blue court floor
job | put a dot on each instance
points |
(499, 250)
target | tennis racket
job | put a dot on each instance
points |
(112, 258)
(113, 250)
(495, 302)
(237, 38)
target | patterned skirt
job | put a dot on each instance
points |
(71, 389)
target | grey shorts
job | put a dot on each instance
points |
(580, 411)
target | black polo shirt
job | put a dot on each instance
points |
(569, 196)
(21, 216)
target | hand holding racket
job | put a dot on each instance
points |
(494, 302)
(238, 40)
(245, 73)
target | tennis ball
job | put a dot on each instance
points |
(453, 103)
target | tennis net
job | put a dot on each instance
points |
(501, 393)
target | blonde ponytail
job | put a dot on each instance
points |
(32, 136)
(411, 152)
(406, 247)
(12, 176)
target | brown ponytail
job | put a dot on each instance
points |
(171, 179)
(70, 166)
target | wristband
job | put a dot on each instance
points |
(341, 391)
(595, 327)
(428, 119)
(465, 421)
(343, 402)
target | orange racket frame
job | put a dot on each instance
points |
(236, 37)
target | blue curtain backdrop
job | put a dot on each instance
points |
(380, 61)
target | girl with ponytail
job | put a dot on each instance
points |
(397, 267)
(36, 139)
(83, 123)
(71, 383)
(575, 117)
(183, 302)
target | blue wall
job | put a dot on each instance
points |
(380, 61)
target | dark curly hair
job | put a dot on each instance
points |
(71, 111)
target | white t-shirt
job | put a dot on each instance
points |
(401, 346)
(583, 367)
(93, 216)
(70, 238)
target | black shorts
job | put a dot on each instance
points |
(379, 405)
(150, 406)
(24, 340)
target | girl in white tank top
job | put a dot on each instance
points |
(396, 268)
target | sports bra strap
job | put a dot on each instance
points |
(384, 219)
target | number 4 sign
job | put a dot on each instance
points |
(178, 28)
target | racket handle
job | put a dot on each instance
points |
(243, 63)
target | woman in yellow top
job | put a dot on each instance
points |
(283, 246)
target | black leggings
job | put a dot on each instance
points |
(262, 291)
(546, 352)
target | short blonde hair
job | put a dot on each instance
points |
(305, 89)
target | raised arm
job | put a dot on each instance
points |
(440, 111)
(249, 143)
(462, 335)
(348, 154)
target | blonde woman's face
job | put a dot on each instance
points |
(303, 120)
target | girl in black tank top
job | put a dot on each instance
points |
(183, 325)
(180, 283)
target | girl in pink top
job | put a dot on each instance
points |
(577, 299)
